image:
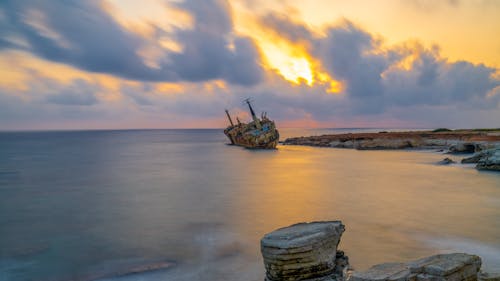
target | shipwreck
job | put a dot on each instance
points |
(259, 133)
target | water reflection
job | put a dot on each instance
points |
(93, 204)
(387, 200)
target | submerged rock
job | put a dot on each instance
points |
(444, 267)
(304, 251)
(446, 161)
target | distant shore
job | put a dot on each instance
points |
(456, 141)
(484, 143)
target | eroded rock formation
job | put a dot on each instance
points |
(305, 251)
(463, 141)
(308, 251)
(445, 267)
(486, 160)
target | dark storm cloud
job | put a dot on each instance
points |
(78, 33)
(346, 53)
(212, 16)
(244, 54)
(81, 34)
(210, 49)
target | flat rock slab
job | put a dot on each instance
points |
(445, 267)
(383, 272)
(302, 234)
(446, 264)
(489, 276)
(304, 251)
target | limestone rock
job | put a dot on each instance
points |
(488, 276)
(304, 251)
(491, 161)
(445, 267)
(342, 144)
(463, 148)
(473, 159)
(383, 272)
(452, 267)
(385, 143)
(478, 156)
(430, 142)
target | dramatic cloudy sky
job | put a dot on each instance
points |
(175, 64)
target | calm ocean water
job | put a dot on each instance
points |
(88, 205)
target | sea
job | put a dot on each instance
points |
(111, 204)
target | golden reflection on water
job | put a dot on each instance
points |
(184, 196)
(393, 203)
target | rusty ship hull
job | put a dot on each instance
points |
(260, 133)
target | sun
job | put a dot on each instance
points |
(299, 68)
(293, 67)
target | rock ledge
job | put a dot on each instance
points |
(304, 251)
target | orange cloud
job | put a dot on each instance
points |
(143, 17)
(291, 60)
(19, 70)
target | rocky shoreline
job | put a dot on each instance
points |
(485, 143)
(309, 251)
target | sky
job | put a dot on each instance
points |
(119, 64)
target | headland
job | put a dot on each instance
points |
(485, 143)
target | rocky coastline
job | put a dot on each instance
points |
(484, 143)
(309, 252)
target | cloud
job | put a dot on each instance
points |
(79, 92)
(211, 51)
(379, 77)
(347, 53)
(82, 34)
(281, 24)
(214, 67)
(433, 81)
(77, 33)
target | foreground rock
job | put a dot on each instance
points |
(485, 276)
(308, 251)
(305, 251)
(449, 267)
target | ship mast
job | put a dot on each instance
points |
(229, 117)
(255, 119)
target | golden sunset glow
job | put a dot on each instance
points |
(142, 17)
(291, 60)
(294, 68)
(331, 62)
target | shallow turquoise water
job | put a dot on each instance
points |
(89, 205)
